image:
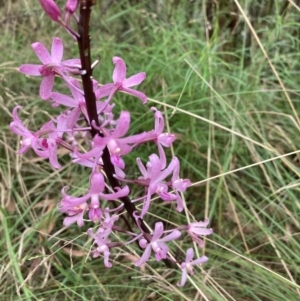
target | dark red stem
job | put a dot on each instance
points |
(85, 56)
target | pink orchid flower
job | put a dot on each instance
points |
(52, 65)
(101, 240)
(195, 229)
(157, 244)
(44, 147)
(154, 177)
(121, 83)
(161, 139)
(115, 142)
(187, 266)
(74, 206)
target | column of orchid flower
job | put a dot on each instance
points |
(91, 104)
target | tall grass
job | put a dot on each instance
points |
(226, 77)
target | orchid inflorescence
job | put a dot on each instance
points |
(107, 143)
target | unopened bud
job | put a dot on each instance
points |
(71, 6)
(51, 9)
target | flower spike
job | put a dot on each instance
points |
(87, 131)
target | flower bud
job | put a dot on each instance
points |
(71, 6)
(51, 9)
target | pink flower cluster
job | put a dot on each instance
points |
(106, 154)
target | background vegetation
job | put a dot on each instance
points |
(226, 75)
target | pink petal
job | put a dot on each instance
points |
(159, 121)
(97, 183)
(76, 91)
(135, 93)
(155, 165)
(83, 162)
(57, 50)
(201, 231)
(158, 231)
(26, 135)
(62, 120)
(119, 71)
(72, 63)
(53, 157)
(48, 126)
(69, 220)
(18, 125)
(142, 168)
(184, 277)
(144, 257)
(176, 171)
(146, 204)
(46, 86)
(63, 99)
(104, 91)
(200, 260)
(30, 69)
(168, 197)
(100, 142)
(24, 149)
(172, 236)
(106, 259)
(112, 196)
(96, 151)
(112, 93)
(134, 80)
(91, 233)
(134, 139)
(166, 139)
(123, 125)
(181, 184)
(179, 207)
(162, 156)
(85, 157)
(69, 202)
(101, 106)
(41, 52)
(116, 160)
(189, 255)
(119, 172)
(173, 164)
(72, 118)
